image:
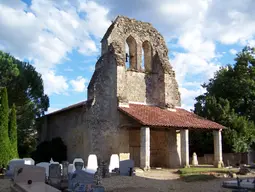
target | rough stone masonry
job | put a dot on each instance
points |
(123, 75)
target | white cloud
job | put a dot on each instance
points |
(47, 31)
(233, 51)
(79, 84)
(54, 83)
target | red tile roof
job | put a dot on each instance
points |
(157, 117)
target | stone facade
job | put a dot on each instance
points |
(123, 75)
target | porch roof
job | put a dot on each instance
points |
(157, 117)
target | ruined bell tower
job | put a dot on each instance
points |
(133, 67)
(144, 73)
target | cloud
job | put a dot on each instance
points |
(233, 51)
(59, 86)
(46, 31)
(78, 84)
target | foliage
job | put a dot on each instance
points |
(26, 91)
(229, 100)
(4, 138)
(8, 69)
(55, 149)
(13, 133)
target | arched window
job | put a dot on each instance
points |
(132, 53)
(147, 56)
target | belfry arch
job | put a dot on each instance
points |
(131, 53)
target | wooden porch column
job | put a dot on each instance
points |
(145, 148)
(185, 147)
(218, 162)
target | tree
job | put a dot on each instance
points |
(8, 68)
(13, 132)
(229, 100)
(4, 138)
(26, 91)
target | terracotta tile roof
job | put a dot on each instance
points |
(157, 117)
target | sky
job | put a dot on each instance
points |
(62, 38)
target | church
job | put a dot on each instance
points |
(131, 110)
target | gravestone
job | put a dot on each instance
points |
(92, 164)
(80, 180)
(24, 173)
(55, 175)
(11, 166)
(65, 165)
(126, 167)
(71, 169)
(78, 164)
(46, 165)
(114, 163)
(194, 159)
(29, 161)
(30, 178)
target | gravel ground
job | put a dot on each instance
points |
(153, 181)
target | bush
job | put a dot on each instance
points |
(55, 149)
(4, 137)
(13, 133)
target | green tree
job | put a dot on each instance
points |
(13, 132)
(4, 138)
(229, 100)
(26, 91)
(8, 68)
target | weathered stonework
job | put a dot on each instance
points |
(100, 128)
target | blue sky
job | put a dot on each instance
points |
(62, 40)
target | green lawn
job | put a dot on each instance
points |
(196, 170)
(198, 174)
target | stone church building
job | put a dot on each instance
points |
(132, 110)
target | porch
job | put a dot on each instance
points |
(162, 140)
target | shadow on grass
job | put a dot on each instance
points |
(197, 177)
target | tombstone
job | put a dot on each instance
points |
(24, 173)
(126, 167)
(92, 164)
(114, 163)
(55, 175)
(71, 168)
(194, 159)
(11, 167)
(65, 165)
(78, 163)
(30, 178)
(80, 180)
(46, 165)
(29, 161)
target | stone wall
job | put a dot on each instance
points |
(155, 84)
(70, 126)
(229, 159)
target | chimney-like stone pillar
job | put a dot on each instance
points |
(145, 148)
(218, 161)
(185, 147)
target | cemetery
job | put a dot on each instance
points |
(131, 133)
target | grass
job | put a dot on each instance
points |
(201, 174)
(197, 177)
(197, 170)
